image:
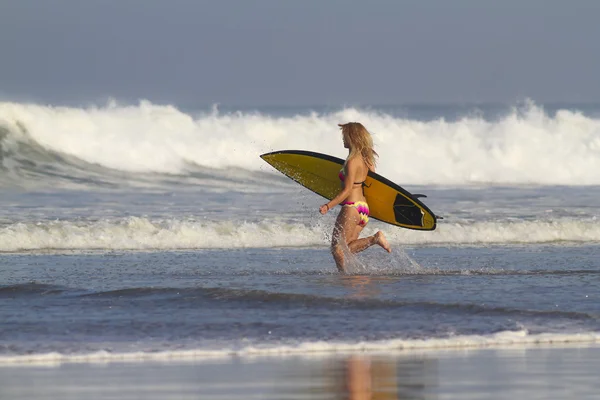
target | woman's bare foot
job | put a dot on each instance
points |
(382, 241)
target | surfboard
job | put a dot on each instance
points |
(388, 202)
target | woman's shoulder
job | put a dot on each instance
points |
(355, 159)
(357, 162)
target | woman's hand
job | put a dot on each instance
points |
(323, 209)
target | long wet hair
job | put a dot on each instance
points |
(360, 142)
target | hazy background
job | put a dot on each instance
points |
(309, 52)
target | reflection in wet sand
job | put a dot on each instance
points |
(363, 377)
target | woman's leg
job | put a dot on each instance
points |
(343, 232)
(346, 231)
(358, 245)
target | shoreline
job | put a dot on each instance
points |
(503, 341)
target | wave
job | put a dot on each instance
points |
(139, 233)
(29, 289)
(263, 297)
(526, 146)
(279, 299)
(519, 339)
(26, 162)
(135, 233)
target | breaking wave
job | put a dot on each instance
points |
(525, 146)
(518, 339)
(140, 233)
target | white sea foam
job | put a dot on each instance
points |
(138, 233)
(497, 340)
(527, 146)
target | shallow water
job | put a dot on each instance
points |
(230, 301)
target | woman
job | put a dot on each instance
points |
(354, 215)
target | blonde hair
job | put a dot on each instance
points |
(360, 141)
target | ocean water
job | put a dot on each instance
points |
(150, 232)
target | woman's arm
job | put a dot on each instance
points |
(352, 166)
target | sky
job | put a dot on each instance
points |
(300, 52)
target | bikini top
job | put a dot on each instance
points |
(342, 177)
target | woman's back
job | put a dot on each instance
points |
(353, 173)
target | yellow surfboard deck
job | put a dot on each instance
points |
(387, 201)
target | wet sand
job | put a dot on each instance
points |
(506, 373)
